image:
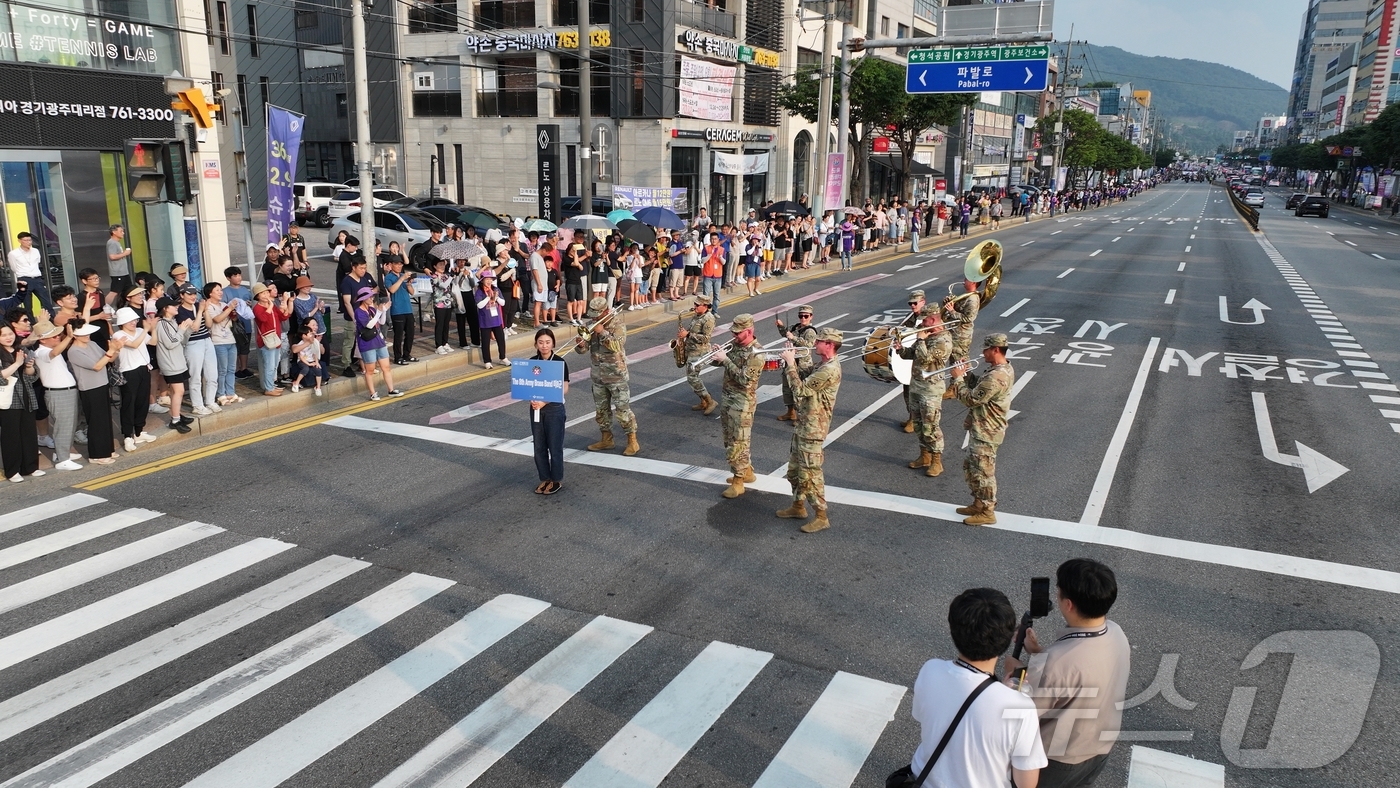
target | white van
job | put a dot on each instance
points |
(313, 198)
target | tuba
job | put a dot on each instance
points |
(983, 265)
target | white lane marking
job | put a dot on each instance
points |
(1171, 296)
(48, 509)
(1116, 239)
(1095, 253)
(466, 750)
(1028, 243)
(1391, 414)
(1387, 232)
(1098, 496)
(1065, 274)
(1329, 232)
(85, 620)
(127, 742)
(1193, 237)
(1181, 266)
(574, 422)
(68, 537)
(60, 694)
(835, 737)
(921, 284)
(1350, 243)
(651, 744)
(1188, 248)
(1017, 305)
(1154, 769)
(1378, 257)
(291, 748)
(1057, 232)
(850, 424)
(103, 564)
(1130, 229)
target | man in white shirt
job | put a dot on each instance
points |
(60, 391)
(27, 263)
(999, 737)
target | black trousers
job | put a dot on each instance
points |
(468, 319)
(1072, 775)
(97, 407)
(136, 396)
(486, 335)
(548, 433)
(442, 324)
(19, 442)
(403, 336)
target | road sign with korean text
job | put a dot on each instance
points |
(978, 69)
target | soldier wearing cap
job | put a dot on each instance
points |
(916, 308)
(611, 392)
(815, 394)
(803, 334)
(988, 398)
(964, 311)
(696, 337)
(737, 400)
(929, 353)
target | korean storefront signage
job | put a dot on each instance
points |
(284, 129)
(62, 108)
(706, 90)
(725, 49)
(715, 134)
(538, 39)
(547, 167)
(106, 41)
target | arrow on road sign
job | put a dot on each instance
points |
(1029, 76)
(923, 78)
(1318, 469)
(1253, 304)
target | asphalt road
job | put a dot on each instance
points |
(1233, 462)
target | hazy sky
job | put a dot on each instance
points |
(1257, 36)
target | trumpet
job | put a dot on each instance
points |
(971, 365)
(705, 359)
(798, 351)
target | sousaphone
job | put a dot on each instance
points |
(983, 266)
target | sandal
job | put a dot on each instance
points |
(540, 489)
(553, 488)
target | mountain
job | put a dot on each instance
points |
(1204, 102)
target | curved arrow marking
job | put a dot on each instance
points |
(1252, 304)
(1318, 469)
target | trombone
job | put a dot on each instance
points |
(585, 335)
(972, 364)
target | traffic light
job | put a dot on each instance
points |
(145, 170)
(177, 173)
(199, 108)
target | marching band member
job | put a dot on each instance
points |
(964, 311)
(697, 343)
(611, 392)
(815, 395)
(803, 334)
(988, 398)
(929, 352)
(738, 399)
(916, 307)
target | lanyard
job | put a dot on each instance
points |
(963, 664)
(1076, 635)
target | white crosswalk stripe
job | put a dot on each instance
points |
(828, 748)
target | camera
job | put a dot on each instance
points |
(1039, 608)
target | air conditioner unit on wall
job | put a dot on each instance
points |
(422, 80)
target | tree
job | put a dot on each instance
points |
(1164, 158)
(1383, 137)
(1083, 139)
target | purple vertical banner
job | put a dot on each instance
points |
(835, 178)
(283, 144)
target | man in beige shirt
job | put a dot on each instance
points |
(1079, 681)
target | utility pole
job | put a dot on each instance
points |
(240, 173)
(363, 149)
(585, 109)
(1060, 122)
(843, 115)
(824, 111)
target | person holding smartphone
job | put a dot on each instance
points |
(547, 423)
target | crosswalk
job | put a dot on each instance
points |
(101, 604)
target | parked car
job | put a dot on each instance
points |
(348, 201)
(1294, 199)
(1253, 198)
(1316, 205)
(1274, 182)
(313, 200)
(403, 226)
(573, 206)
(417, 202)
(451, 214)
(354, 183)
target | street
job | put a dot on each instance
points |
(377, 599)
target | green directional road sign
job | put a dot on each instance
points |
(991, 54)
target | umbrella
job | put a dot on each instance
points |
(851, 209)
(588, 221)
(787, 206)
(664, 218)
(639, 232)
(617, 216)
(540, 226)
(478, 219)
(457, 250)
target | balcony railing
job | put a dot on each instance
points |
(705, 17)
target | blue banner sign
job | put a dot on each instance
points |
(532, 379)
(284, 129)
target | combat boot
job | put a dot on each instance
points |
(606, 442)
(632, 447)
(791, 415)
(820, 523)
(909, 426)
(924, 459)
(987, 516)
(735, 488)
(710, 405)
(973, 509)
(700, 405)
(798, 511)
(936, 466)
(949, 393)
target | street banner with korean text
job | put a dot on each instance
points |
(835, 179)
(706, 90)
(284, 129)
(633, 197)
(532, 379)
(740, 164)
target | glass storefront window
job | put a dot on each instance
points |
(112, 35)
(685, 173)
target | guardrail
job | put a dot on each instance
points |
(1250, 215)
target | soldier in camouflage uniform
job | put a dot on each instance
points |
(964, 311)
(815, 394)
(987, 397)
(611, 393)
(737, 399)
(804, 334)
(929, 352)
(916, 308)
(697, 343)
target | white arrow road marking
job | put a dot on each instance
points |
(1318, 469)
(1252, 304)
(912, 266)
(1151, 768)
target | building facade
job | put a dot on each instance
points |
(1328, 26)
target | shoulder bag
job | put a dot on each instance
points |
(903, 777)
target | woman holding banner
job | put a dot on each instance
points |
(547, 422)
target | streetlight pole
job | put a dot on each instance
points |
(240, 174)
(585, 108)
(363, 153)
